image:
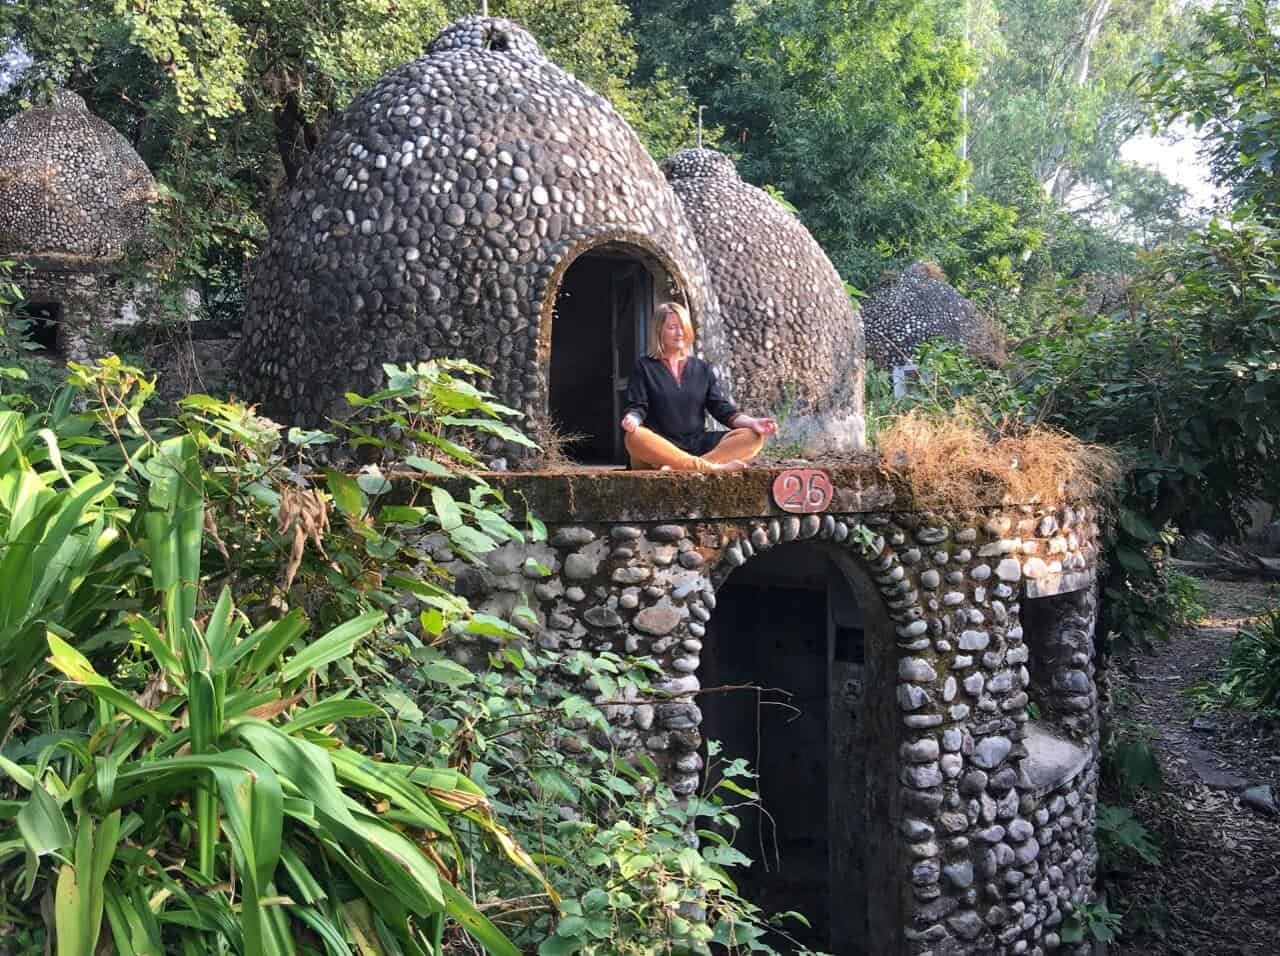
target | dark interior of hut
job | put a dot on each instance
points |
(44, 320)
(597, 332)
(787, 623)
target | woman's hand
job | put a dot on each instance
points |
(761, 426)
(630, 423)
(765, 426)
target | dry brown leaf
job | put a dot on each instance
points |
(156, 690)
(305, 515)
(211, 527)
(275, 707)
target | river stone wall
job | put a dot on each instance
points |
(96, 303)
(437, 218)
(991, 816)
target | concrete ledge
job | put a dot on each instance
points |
(622, 496)
(1064, 583)
(615, 496)
(1051, 761)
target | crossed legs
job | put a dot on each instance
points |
(650, 451)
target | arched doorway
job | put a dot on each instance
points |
(599, 322)
(799, 621)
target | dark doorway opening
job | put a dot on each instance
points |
(788, 621)
(43, 322)
(598, 329)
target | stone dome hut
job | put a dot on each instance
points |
(919, 305)
(794, 336)
(482, 203)
(73, 196)
(70, 185)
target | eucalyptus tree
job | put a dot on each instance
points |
(1054, 92)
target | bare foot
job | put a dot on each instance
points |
(735, 465)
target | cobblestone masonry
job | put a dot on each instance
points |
(437, 219)
(69, 183)
(993, 817)
(96, 302)
(794, 336)
(73, 197)
(900, 315)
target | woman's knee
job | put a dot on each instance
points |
(749, 438)
(636, 438)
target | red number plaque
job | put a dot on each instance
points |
(802, 491)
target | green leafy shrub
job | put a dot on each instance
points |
(1251, 672)
(208, 753)
(648, 884)
(65, 555)
(221, 739)
(26, 382)
(1130, 761)
(640, 869)
(1144, 604)
(1094, 921)
(1121, 837)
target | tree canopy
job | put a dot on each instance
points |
(898, 130)
(225, 99)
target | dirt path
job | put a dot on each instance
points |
(1217, 890)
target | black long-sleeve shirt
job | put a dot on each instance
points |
(677, 412)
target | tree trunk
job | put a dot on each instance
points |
(296, 136)
(1059, 180)
(1093, 27)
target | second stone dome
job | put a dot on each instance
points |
(907, 310)
(794, 336)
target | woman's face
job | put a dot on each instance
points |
(673, 342)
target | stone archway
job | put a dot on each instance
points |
(600, 315)
(789, 622)
(977, 822)
(802, 616)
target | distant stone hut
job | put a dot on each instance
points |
(794, 336)
(919, 305)
(479, 202)
(73, 197)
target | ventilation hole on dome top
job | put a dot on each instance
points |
(497, 40)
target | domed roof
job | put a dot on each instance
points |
(69, 183)
(794, 336)
(438, 218)
(920, 305)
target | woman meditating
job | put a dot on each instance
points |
(668, 397)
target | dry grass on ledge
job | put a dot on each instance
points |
(953, 462)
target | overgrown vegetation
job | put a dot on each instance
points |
(1250, 677)
(204, 626)
(197, 668)
(953, 462)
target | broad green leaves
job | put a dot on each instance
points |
(215, 743)
(1221, 81)
(63, 551)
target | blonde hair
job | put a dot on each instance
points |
(660, 316)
